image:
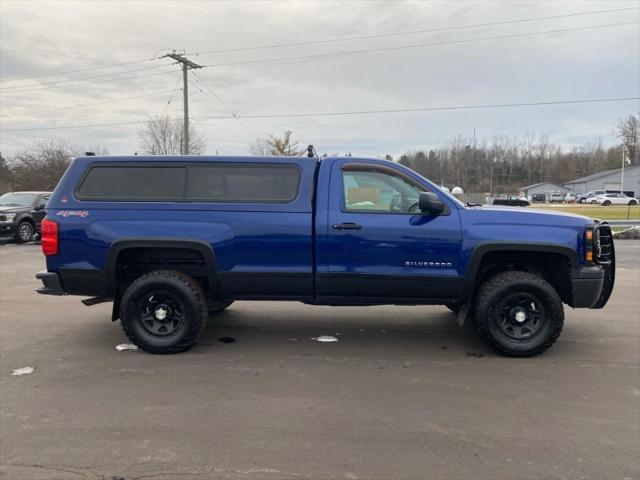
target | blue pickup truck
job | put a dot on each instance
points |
(170, 240)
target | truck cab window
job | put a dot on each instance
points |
(379, 191)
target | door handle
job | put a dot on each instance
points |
(347, 226)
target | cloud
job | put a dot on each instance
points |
(39, 38)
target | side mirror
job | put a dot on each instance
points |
(429, 202)
(37, 208)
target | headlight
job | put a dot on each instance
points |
(9, 217)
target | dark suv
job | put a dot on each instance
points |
(21, 214)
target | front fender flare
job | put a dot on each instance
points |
(482, 249)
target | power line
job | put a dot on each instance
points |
(73, 83)
(214, 96)
(79, 70)
(354, 112)
(121, 99)
(175, 89)
(95, 125)
(417, 45)
(323, 55)
(359, 37)
(107, 80)
(429, 109)
(412, 32)
(42, 85)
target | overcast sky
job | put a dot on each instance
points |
(45, 38)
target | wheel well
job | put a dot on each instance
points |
(555, 268)
(28, 220)
(132, 262)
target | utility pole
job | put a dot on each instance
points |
(624, 159)
(186, 65)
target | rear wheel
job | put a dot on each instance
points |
(518, 314)
(163, 311)
(606, 203)
(24, 232)
(632, 202)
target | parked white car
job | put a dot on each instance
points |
(614, 199)
(556, 197)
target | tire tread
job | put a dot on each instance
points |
(196, 326)
(484, 298)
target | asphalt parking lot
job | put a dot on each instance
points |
(403, 394)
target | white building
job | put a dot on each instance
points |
(544, 188)
(608, 180)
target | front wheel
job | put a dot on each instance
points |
(163, 311)
(518, 314)
(632, 203)
(606, 204)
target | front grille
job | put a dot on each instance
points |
(602, 245)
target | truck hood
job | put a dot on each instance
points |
(526, 216)
(10, 209)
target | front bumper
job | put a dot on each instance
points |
(8, 230)
(586, 286)
(51, 283)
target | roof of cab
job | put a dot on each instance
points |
(191, 159)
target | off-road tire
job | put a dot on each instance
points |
(217, 307)
(189, 296)
(486, 318)
(24, 232)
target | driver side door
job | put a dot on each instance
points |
(380, 244)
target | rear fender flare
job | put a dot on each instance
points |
(118, 246)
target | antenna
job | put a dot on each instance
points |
(311, 152)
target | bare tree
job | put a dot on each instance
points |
(260, 147)
(40, 166)
(274, 146)
(628, 131)
(5, 175)
(163, 135)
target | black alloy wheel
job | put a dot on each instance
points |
(518, 314)
(163, 311)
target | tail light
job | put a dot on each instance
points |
(49, 234)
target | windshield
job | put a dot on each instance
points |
(18, 199)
